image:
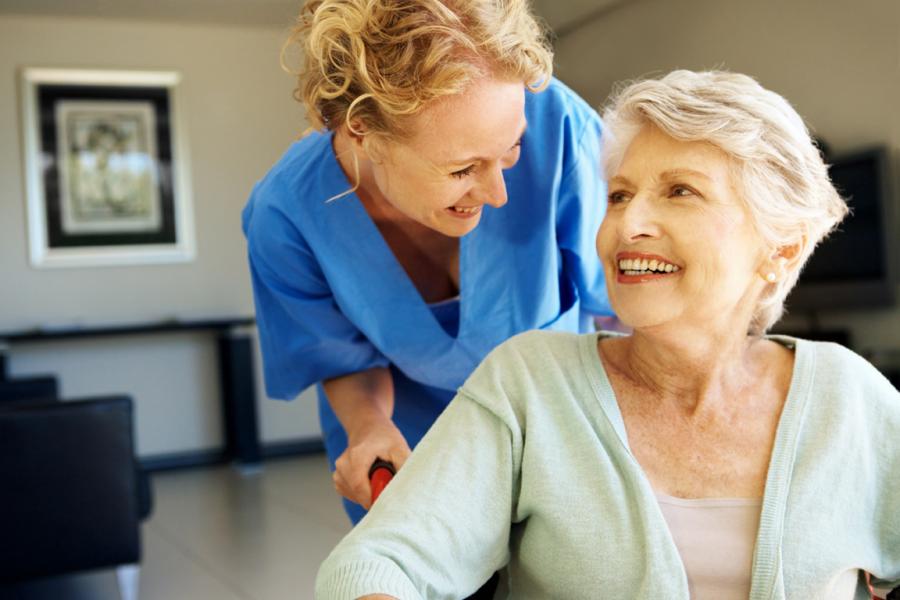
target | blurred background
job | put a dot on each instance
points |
(177, 338)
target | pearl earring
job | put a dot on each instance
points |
(770, 277)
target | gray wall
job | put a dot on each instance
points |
(838, 62)
(240, 117)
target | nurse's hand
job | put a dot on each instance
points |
(380, 439)
(364, 402)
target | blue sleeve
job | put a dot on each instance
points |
(303, 334)
(582, 204)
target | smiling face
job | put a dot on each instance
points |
(677, 244)
(453, 164)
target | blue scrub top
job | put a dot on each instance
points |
(332, 299)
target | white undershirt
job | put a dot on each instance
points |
(716, 537)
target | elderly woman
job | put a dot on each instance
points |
(695, 458)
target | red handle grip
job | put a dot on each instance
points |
(380, 474)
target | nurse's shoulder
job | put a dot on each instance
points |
(559, 106)
(294, 183)
(296, 177)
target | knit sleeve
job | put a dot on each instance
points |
(886, 446)
(441, 528)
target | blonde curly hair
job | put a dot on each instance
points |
(377, 62)
(780, 173)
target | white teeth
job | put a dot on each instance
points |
(637, 266)
(466, 210)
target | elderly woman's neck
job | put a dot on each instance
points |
(690, 368)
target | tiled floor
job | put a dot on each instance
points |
(216, 534)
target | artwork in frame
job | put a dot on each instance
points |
(106, 168)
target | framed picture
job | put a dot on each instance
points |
(106, 168)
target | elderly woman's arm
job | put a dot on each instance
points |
(441, 527)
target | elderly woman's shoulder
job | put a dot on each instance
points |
(527, 368)
(530, 354)
(540, 343)
(842, 368)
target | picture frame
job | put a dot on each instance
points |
(106, 168)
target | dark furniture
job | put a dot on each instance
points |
(235, 362)
(72, 496)
(28, 388)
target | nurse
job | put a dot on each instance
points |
(447, 199)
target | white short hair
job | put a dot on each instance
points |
(780, 175)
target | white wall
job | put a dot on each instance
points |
(838, 62)
(240, 117)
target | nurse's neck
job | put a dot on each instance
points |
(357, 168)
(380, 209)
(392, 222)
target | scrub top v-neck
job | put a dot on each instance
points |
(390, 304)
(331, 298)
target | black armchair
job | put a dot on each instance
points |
(71, 496)
(27, 389)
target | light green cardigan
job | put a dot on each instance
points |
(529, 468)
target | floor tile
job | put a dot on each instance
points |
(258, 541)
(170, 573)
(304, 485)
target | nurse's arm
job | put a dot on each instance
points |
(363, 403)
